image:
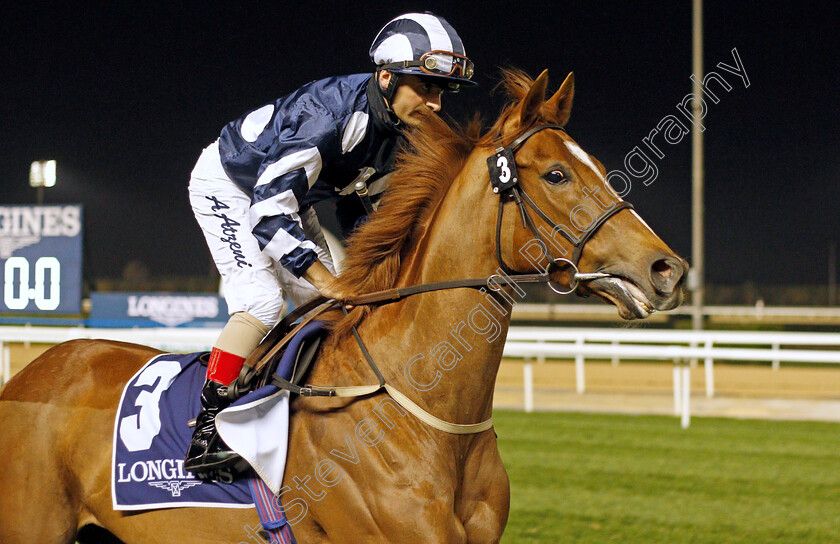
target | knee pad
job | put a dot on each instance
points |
(242, 333)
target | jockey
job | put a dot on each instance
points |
(252, 190)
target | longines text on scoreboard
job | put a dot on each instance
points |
(41, 259)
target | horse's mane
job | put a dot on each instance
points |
(434, 154)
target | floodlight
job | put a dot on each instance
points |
(42, 174)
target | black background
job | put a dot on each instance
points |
(125, 97)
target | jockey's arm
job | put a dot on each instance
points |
(321, 278)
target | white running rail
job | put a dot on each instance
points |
(539, 343)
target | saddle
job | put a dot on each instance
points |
(285, 355)
(286, 367)
(282, 359)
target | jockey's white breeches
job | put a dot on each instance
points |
(251, 281)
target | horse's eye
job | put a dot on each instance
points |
(555, 177)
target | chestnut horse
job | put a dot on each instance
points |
(364, 469)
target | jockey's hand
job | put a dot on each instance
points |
(323, 280)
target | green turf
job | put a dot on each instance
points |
(582, 478)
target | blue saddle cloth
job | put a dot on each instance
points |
(151, 433)
(151, 436)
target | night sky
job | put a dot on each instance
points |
(125, 97)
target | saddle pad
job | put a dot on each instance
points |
(257, 425)
(151, 437)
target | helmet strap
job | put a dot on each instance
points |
(389, 91)
(384, 116)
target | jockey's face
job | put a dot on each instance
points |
(414, 98)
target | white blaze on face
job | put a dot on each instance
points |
(584, 157)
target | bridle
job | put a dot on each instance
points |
(505, 182)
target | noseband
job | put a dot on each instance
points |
(505, 181)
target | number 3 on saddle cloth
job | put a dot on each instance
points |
(151, 435)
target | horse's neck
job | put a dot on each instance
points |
(442, 349)
(448, 344)
(459, 240)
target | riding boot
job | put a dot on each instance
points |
(208, 452)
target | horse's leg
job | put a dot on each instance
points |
(384, 515)
(485, 498)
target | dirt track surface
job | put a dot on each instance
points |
(743, 391)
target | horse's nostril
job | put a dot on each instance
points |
(662, 268)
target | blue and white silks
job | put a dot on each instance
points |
(298, 150)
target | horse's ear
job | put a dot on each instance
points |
(559, 106)
(531, 105)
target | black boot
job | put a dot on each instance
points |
(208, 452)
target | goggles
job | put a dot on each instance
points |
(438, 63)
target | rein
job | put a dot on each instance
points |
(504, 179)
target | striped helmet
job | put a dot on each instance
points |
(425, 45)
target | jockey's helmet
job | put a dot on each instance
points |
(424, 45)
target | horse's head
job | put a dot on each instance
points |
(575, 213)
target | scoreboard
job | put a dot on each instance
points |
(41, 259)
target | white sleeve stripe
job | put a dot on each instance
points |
(308, 159)
(283, 243)
(284, 203)
(354, 132)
